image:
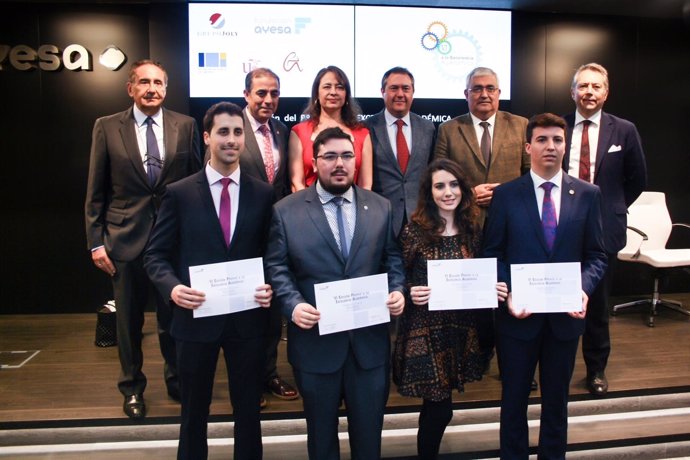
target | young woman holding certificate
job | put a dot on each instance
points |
(437, 351)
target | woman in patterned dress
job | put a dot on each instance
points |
(437, 351)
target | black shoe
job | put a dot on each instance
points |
(597, 383)
(134, 406)
(174, 393)
(533, 386)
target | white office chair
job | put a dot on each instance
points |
(649, 227)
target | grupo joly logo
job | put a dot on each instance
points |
(50, 57)
(217, 20)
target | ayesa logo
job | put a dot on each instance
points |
(51, 58)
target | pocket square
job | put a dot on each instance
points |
(615, 148)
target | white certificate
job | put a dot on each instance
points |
(462, 284)
(352, 303)
(229, 286)
(547, 288)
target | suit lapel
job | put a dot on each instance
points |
(529, 201)
(129, 140)
(604, 142)
(251, 148)
(568, 197)
(381, 129)
(170, 134)
(246, 193)
(467, 131)
(209, 210)
(361, 223)
(317, 215)
(417, 159)
(570, 120)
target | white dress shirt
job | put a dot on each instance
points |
(393, 131)
(140, 128)
(557, 180)
(479, 130)
(214, 178)
(260, 139)
(331, 211)
(576, 141)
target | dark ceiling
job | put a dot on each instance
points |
(642, 8)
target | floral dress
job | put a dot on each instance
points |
(435, 351)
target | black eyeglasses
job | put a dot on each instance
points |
(331, 157)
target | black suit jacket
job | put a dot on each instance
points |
(120, 205)
(188, 233)
(252, 162)
(402, 190)
(302, 252)
(513, 234)
(620, 172)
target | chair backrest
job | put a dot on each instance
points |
(648, 214)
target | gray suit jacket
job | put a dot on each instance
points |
(252, 162)
(302, 252)
(121, 206)
(402, 190)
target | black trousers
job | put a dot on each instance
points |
(596, 341)
(134, 292)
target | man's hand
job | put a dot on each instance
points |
(420, 295)
(581, 314)
(263, 295)
(484, 192)
(102, 261)
(305, 316)
(502, 291)
(522, 314)
(395, 303)
(187, 297)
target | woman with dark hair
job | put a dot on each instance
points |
(331, 105)
(438, 351)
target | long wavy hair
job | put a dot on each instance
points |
(427, 214)
(349, 112)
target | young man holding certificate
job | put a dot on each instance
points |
(321, 236)
(216, 216)
(544, 217)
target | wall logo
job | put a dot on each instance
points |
(283, 28)
(213, 60)
(456, 52)
(217, 21)
(291, 61)
(50, 58)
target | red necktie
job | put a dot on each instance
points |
(401, 145)
(585, 164)
(268, 154)
(224, 213)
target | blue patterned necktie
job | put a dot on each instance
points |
(548, 215)
(153, 156)
(344, 244)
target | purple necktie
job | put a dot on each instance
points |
(548, 215)
(224, 214)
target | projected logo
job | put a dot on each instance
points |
(51, 58)
(282, 28)
(217, 21)
(213, 60)
(456, 52)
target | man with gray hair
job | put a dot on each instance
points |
(489, 145)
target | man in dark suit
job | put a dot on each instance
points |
(542, 217)
(219, 214)
(607, 153)
(265, 157)
(489, 145)
(397, 173)
(332, 231)
(135, 154)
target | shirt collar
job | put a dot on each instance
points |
(253, 121)
(140, 117)
(491, 120)
(214, 176)
(326, 196)
(391, 119)
(537, 180)
(596, 118)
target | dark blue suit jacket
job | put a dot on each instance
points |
(302, 251)
(514, 235)
(188, 233)
(621, 174)
(401, 189)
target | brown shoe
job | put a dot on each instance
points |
(281, 389)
